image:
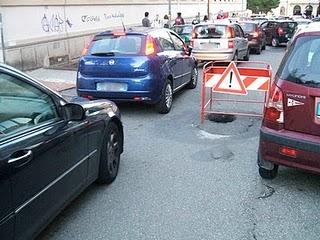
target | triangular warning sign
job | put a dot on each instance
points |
(230, 82)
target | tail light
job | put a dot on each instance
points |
(230, 32)
(150, 48)
(118, 34)
(254, 34)
(273, 115)
(287, 151)
(230, 44)
(194, 35)
(86, 47)
(280, 31)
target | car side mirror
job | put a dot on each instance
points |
(188, 50)
(73, 112)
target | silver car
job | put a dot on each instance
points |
(219, 42)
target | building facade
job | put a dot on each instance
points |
(297, 7)
(39, 33)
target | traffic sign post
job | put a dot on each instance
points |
(235, 80)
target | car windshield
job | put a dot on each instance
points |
(289, 25)
(211, 31)
(248, 27)
(182, 30)
(302, 64)
(127, 44)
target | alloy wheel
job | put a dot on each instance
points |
(168, 95)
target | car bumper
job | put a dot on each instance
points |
(307, 146)
(255, 43)
(146, 89)
(213, 56)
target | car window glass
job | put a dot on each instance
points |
(237, 31)
(179, 45)
(302, 65)
(240, 31)
(22, 105)
(264, 25)
(164, 40)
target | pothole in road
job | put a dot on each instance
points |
(220, 153)
(267, 192)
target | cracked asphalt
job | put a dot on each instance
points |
(182, 180)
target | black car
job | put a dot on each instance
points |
(184, 31)
(255, 35)
(278, 31)
(50, 151)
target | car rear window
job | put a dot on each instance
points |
(211, 31)
(248, 27)
(127, 44)
(289, 25)
(182, 29)
(302, 63)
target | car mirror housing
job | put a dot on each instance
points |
(73, 112)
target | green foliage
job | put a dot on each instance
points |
(264, 6)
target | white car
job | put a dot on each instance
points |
(219, 42)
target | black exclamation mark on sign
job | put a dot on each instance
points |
(230, 81)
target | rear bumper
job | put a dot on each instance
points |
(146, 89)
(213, 56)
(307, 146)
(255, 43)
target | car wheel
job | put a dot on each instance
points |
(110, 154)
(269, 174)
(264, 46)
(165, 103)
(194, 79)
(247, 56)
(259, 50)
(274, 42)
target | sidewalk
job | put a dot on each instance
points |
(57, 80)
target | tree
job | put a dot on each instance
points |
(264, 6)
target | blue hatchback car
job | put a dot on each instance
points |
(146, 65)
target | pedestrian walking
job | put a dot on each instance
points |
(166, 21)
(145, 20)
(179, 20)
(157, 22)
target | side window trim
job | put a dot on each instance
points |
(174, 44)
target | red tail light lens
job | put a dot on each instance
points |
(230, 44)
(230, 32)
(290, 152)
(254, 34)
(86, 47)
(194, 35)
(273, 115)
(150, 48)
(280, 31)
(118, 34)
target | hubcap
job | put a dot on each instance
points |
(194, 76)
(168, 95)
(113, 152)
(274, 43)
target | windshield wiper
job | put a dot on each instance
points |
(106, 54)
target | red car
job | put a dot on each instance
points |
(290, 132)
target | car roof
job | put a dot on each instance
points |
(313, 27)
(219, 22)
(252, 22)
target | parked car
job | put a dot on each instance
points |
(145, 65)
(255, 35)
(220, 41)
(290, 132)
(50, 151)
(184, 31)
(259, 20)
(302, 22)
(278, 32)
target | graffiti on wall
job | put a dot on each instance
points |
(54, 23)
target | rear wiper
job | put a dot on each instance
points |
(107, 54)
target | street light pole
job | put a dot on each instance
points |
(169, 10)
(2, 40)
(208, 9)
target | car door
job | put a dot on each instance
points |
(243, 41)
(168, 56)
(240, 42)
(184, 60)
(270, 31)
(45, 155)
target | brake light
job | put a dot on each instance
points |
(230, 44)
(290, 152)
(254, 34)
(150, 48)
(280, 31)
(194, 35)
(273, 115)
(230, 32)
(86, 47)
(118, 34)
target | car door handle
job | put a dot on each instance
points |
(20, 158)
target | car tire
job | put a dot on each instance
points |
(259, 50)
(165, 103)
(110, 154)
(268, 174)
(264, 46)
(274, 42)
(194, 79)
(247, 56)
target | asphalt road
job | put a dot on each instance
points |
(186, 181)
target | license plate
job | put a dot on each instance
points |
(211, 45)
(112, 87)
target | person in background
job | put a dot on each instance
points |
(166, 23)
(157, 22)
(197, 19)
(145, 20)
(205, 18)
(179, 20)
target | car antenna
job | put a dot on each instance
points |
(124, 28)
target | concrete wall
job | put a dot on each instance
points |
(39, 33)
